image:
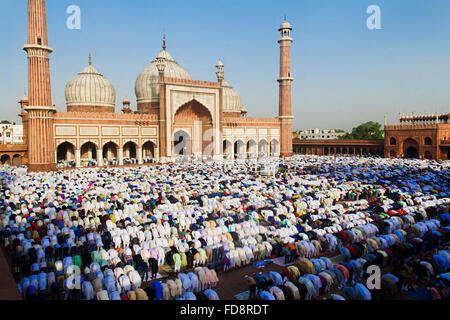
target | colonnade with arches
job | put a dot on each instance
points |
(250, 148)
(89, 154)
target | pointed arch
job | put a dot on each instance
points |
(251, 148)
(130, 152)
(88, 151)
(148, 152)
(65, 152)
(262, 148)
(274, 147)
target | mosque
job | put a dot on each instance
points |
(176, 116)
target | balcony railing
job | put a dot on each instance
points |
(411, 126)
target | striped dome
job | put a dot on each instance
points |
(147, 83)
(90, 88)
(232, 101)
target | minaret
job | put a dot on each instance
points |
(41, 144)
(285, 81)
(220, 73)
(163, 147)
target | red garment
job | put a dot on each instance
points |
(288, 274)
(343, 236)
(352, 250)
(43, 233)
(344, 270)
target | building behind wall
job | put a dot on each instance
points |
(317, 134)
(11, 133)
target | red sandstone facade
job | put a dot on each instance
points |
(187, 110)
(40, 111)
(285, 81)
(426, 137)
(339, 147)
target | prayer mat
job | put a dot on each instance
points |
(280, 262)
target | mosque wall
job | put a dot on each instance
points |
(80, 128)
(429, 140)
(101, 109)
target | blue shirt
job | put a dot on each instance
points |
(266, 295)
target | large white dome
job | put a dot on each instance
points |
(90, 88)
(147, 83)
(232, 101)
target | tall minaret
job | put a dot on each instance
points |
(285, 81)
(164, 150)
(41, 144)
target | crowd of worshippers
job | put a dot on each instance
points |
(409, 259)
(119, 225)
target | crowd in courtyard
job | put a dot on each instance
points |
(105, 233)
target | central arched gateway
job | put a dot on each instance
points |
(195, 120)
(411, 148)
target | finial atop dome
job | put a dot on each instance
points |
(164, 42)
(90, 59)
(25, 97)
(285, 25)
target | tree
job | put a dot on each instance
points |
(366, 131)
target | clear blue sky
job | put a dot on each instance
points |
(344, 73)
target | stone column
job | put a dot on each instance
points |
(231, 150)
(77, 158)
(139, 155)
(100, 157)
(120, 156)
